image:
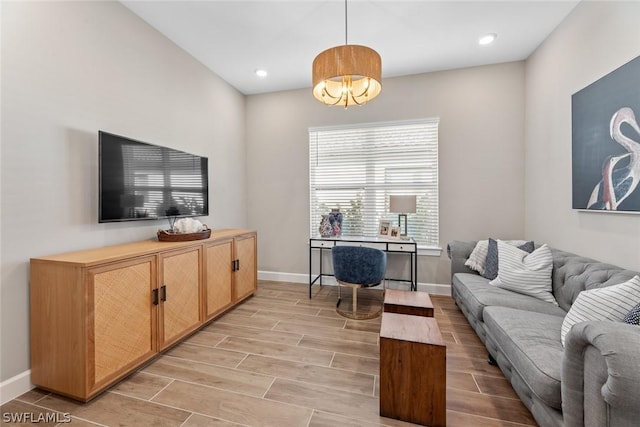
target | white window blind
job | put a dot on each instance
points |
(356, 169)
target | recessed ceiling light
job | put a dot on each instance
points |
(261, 73)
(487, 39)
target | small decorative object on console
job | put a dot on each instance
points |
(184, 230)
(335, 219)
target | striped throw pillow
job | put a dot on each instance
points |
(525, 273)
(609, 303)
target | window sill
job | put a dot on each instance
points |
(429, 251)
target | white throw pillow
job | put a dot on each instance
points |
(525, 273)
(478, 258)
(608, 303)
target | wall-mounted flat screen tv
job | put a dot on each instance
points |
(141, 181)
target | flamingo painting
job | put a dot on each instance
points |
(620, 174)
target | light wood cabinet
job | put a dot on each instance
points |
(179, 295)
(97, 315)
(230, 272)
(123, 329)
(218, 277)
(245, 279)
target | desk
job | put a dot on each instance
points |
(409, 247)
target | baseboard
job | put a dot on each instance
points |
(432, 288)
(15, 386)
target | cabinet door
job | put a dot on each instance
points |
(123, 316)
(179, 292)
(218, 259)
(245, 280)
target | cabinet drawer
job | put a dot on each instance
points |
(374, 245)
(402, 247)
(322, 243)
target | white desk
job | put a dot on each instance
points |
(409, 247)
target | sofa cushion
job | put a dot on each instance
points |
(531, 343)
(478, 293)
(610, 303)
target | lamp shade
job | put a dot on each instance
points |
(347, 75)
(402, 204)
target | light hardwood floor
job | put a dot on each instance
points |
(281, 359)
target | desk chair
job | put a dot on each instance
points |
(358, 267)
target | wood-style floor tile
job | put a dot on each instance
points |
(471, 364)
(206, 338)
(326, 399)
(234, 407)
(196, 420)
(32, 396)
(462, 381)
(366, 365)
(459, 419)
(364, 325)
(511, 410)
(115, 409)
(496, 386)
(341, 334)
(325, 419)
(210, 375)
(354, 382)
(239, 331)
(340, 346)
(300, 319)
(286, 352)
(214, 356)
(249, 321)
(142, 385)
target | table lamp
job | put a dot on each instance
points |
(402, 205)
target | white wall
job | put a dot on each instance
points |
(481, 175)
(69, 69)
(595, 39)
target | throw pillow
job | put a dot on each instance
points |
(491, 264)
(478, 257)
(633, 317)
(525, 273)
(608, 303)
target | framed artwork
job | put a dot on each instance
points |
(384, 228)
(605, 142)
(395, 232)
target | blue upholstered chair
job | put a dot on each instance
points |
(358, 267)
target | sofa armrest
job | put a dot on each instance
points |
(458, 254)
(601, 375)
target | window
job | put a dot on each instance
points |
(356, 169)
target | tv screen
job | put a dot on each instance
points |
(141, 181)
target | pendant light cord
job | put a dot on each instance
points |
(345, 23)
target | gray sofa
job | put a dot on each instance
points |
(593, 381)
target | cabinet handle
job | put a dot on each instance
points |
(233, 265)
(155, 296)
(237, 264)
(163, 296)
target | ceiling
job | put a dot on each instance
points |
(234, 38)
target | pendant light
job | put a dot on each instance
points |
(347, 75)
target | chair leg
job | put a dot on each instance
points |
(339, 295)
(355, 302)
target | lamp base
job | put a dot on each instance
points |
(400, 217)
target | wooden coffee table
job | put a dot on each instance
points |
(413, 376)
(408, 302)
